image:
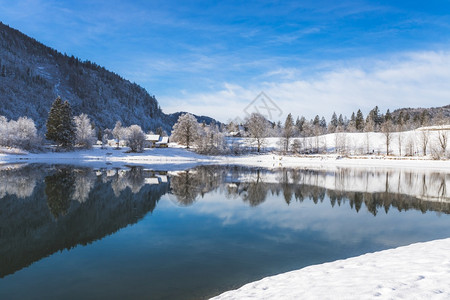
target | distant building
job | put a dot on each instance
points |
(163, 142)
(151, 140)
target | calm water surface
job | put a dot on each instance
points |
(71, 232)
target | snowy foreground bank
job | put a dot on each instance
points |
(417, 271)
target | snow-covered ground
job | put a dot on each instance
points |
(178, 156)
(417, 271)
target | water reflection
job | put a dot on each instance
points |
(378, 190)
(44, 209)
(65, 206)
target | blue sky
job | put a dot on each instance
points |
(213, 58)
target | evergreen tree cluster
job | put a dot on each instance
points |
(60, 125)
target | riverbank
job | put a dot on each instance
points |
(417, 271)
(180, 156)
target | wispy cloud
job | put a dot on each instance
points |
(407, 80)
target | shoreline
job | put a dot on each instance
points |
(185, 158)
(416, 271)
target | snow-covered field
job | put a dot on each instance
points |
(182, 158)
(417, 271)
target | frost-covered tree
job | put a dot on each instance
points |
(387, 128)
(119, 132)
(21, 133)
(186, 130)
(135, 138)
(210, 141)
(299, 124)
(351, 127)
(333, 123)
(288, 132)
(60, 126)
(424, 137)
(25, 133)
(84, 133)
(4, 132)
(258, 129)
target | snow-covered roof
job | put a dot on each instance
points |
(152, 137)
(164, 140)
(151, 180)
(163, 178)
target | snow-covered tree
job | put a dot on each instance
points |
(84, 133)
(119, 132)
(186, 130)
(258, 128)
(135, 138)
(4, 131)
(60, 126)
(333, 123)
(210, 141)
(369, 127)
(387, 128)
(25, 133)
(288, 132)
(21, 133)
(424, 137)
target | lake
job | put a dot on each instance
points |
(77, 232)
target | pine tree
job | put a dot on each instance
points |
(333, 123)
(359, 121)
(299, 124)
(60, 126)
(341, 121)
(351, 127)
(388, 116)
(375, 112)
(316, 121)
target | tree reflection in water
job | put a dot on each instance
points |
(377, 190)
(58, 189)
(44, 208)
(67, 206)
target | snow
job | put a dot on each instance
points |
(417, 271)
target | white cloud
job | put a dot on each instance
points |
(406, 80)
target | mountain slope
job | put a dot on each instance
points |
(32, 75)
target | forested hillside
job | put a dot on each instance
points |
(32, 75)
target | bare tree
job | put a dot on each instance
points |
(340, 140)
(424, 137)
(387, 129)
(257, 128)
(400, 142)
(443, 141)
(186, 130)
(368, 128)
(410, 146)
